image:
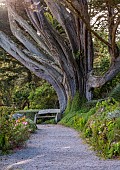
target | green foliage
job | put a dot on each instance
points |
(14, 133)
(100, 125)
(68, 108)
(101, 64)
(104, 132)
(21, 94)
(29, 96)
(92, 103)
(67, 120)
(44, 97)
(102, 57)
(18, 86)
(6, 110)
(82, 117)
(106, 90)
(115, 93)
(12, 74)
(48, 121)
(30, 115)
(6, 131)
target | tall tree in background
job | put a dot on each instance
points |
(55, 43)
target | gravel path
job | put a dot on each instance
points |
(55, 147)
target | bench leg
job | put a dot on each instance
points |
(35, 120)
(57, 117)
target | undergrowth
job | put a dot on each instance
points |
(13, 132)
(99, 124)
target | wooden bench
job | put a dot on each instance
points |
(28, 113)
(48, 113)
(40, 114)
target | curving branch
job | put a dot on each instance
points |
(54, 60)
(67, 21)
(57, 45)
(97, 81)
(13, 49)
(74, 7)
(23, 23)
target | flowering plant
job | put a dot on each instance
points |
(14, 133)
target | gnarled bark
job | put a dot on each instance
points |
(23, 58)
(66, 62)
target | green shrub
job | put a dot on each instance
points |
(14, 133)
(31, 125)
(20, 95)
(100, 125)
(103, 129)
(81, 118)
(6, 110)
(44, 97)
(68, 119)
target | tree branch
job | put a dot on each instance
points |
(58, 48)
(30, 30)
(67, 20)
(96, 81)
(79, 15)
(8, 45)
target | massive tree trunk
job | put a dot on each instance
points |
(63, 63)
(64, 60)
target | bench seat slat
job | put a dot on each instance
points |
(45, 117)
(46, 113)
(49, 111)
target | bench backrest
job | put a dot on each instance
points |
(47, 111)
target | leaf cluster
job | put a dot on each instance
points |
(43, 97)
